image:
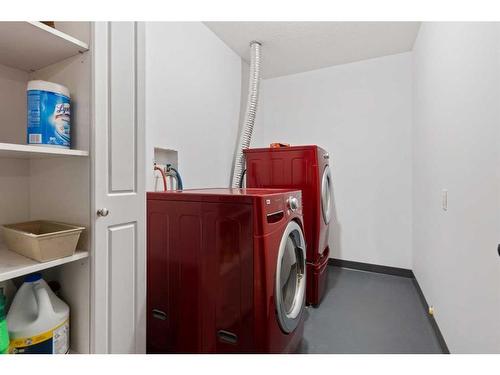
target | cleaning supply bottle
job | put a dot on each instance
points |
(9, 291)
(4, 333)
(38, 320)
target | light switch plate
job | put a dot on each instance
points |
(444, 199)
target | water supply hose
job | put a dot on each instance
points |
(242, 178)
(251, 111)
(177, 176)
(163, 176)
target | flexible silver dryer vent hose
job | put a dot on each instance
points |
(251, 111)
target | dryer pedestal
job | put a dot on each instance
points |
(317, 279)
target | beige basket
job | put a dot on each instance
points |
(42, 240)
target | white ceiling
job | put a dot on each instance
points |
(293, 47)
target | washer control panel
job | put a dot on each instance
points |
(280, 205)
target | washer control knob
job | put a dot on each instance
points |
(293, 203)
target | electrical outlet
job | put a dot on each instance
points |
(444, 199)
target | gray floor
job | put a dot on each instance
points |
(364, 312)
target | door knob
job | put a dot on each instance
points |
(102, 212)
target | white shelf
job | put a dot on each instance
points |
(14, 265)
(31, 46)
(15, 151)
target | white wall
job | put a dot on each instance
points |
(192, 101)
(456, 147)
(360, 113)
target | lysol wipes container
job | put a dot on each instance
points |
(49, 114)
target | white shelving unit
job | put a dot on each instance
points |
(31, 46)
(16, 151)
(38, 182)
(14, 265)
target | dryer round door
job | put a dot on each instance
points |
(291, 278)
(326, 195)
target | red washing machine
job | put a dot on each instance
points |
(225, 271)
(305, 168)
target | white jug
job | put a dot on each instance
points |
(38, 320)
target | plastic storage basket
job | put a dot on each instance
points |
(42, 240)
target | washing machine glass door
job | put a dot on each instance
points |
(326, 195)
(290, 278)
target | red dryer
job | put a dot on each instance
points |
(225, 271)
(305, 168)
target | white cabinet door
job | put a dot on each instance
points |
(118, 260)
